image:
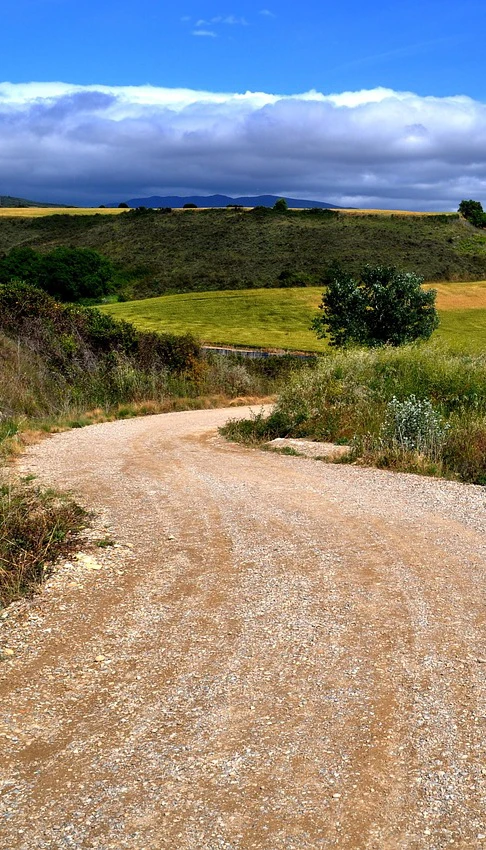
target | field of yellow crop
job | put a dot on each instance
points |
(460, 296)
(34, 212)
(31, 212)
(392, 212)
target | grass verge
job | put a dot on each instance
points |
(416, 409)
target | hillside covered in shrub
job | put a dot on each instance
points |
(196, 250)
(54, 356)
(60, 361)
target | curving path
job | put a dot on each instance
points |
(279, 654)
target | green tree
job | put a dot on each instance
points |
(384, 306)
(73, 274)
(20, 264)
(281, 205)
(69, 274)
(473, 212)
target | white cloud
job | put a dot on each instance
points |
(234, 20)
(205, 33)
(98, 144)
(231, 20)
(267, 13)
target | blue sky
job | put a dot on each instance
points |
(429, 47)
(380, 147)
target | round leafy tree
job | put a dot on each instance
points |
(473, 212)
(281, 205)
(383, 306)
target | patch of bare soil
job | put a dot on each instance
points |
(278, 653)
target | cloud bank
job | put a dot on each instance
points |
(95, 144)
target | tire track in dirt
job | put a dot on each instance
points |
(291, 655)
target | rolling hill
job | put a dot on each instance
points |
(199, 250)
(9, 201)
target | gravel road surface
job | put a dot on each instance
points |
(278, 653)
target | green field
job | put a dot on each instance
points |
(280, 318)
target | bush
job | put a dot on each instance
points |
(77, 355)
(68, 274)
(473, 212)
(413, 425)
(281, 205)
(384, 306)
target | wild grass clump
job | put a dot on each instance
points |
(36, 527)
(418, 408)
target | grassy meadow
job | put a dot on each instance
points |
(280, 318)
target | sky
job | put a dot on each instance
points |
(374, 104)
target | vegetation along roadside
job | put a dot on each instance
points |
(64, 365)
(397, 401)
(416, 408)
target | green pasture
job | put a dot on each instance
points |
(280, 318)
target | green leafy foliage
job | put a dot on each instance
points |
(68, 274)
(281, 205)
(473, 212)
(384, 306)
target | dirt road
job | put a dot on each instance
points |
(280, 653)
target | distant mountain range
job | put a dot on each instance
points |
(9, 201)
(176, 201)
